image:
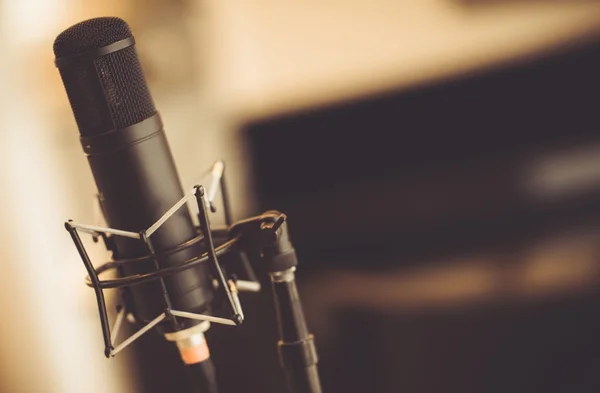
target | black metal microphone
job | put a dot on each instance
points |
(167, 266)
(122, 135)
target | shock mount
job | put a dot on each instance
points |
(265, 234)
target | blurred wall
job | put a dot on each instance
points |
(267, 57)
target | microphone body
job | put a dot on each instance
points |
(123, 138)
(137, 184)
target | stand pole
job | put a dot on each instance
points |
(297, 350)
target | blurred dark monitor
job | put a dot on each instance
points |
(461, 163)
(486, 162)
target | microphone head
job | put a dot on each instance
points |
(106, 91)
(90, 34)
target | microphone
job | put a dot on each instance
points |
(122, 135)
(169, 269)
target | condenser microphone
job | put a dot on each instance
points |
(169, 268)
(123, 138)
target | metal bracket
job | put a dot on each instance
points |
(228, 286)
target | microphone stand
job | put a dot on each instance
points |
(297, 351)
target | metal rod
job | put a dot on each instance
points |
(248, 286)
(225, 199)
(94, 228)
(117, 325)
(200, 317)
(297, 350)
(154, 227)
(163, 286)
(210, 249)
(217, 174)
(236, 298)
(137, 334)
(96, 283)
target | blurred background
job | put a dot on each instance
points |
(439, 161)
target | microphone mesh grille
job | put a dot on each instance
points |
(90, 34)
(109, 92)
(87, 99)
(125, 88)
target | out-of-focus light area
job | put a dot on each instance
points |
(438, 160)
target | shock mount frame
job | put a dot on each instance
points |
(267, 232)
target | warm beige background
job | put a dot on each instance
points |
(269, 56)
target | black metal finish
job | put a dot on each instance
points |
(137, 184)
(122, 135)
(130, 158)
(122, 138)
(299, 360)
(297, 350)
(226, 200)
(292, 326)
(216, 269)
(138, 279)
(298, 354)
(202, 375)
(94, 278)
(267, 232)
(89, 56)
(159, 273)
(166, 299)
